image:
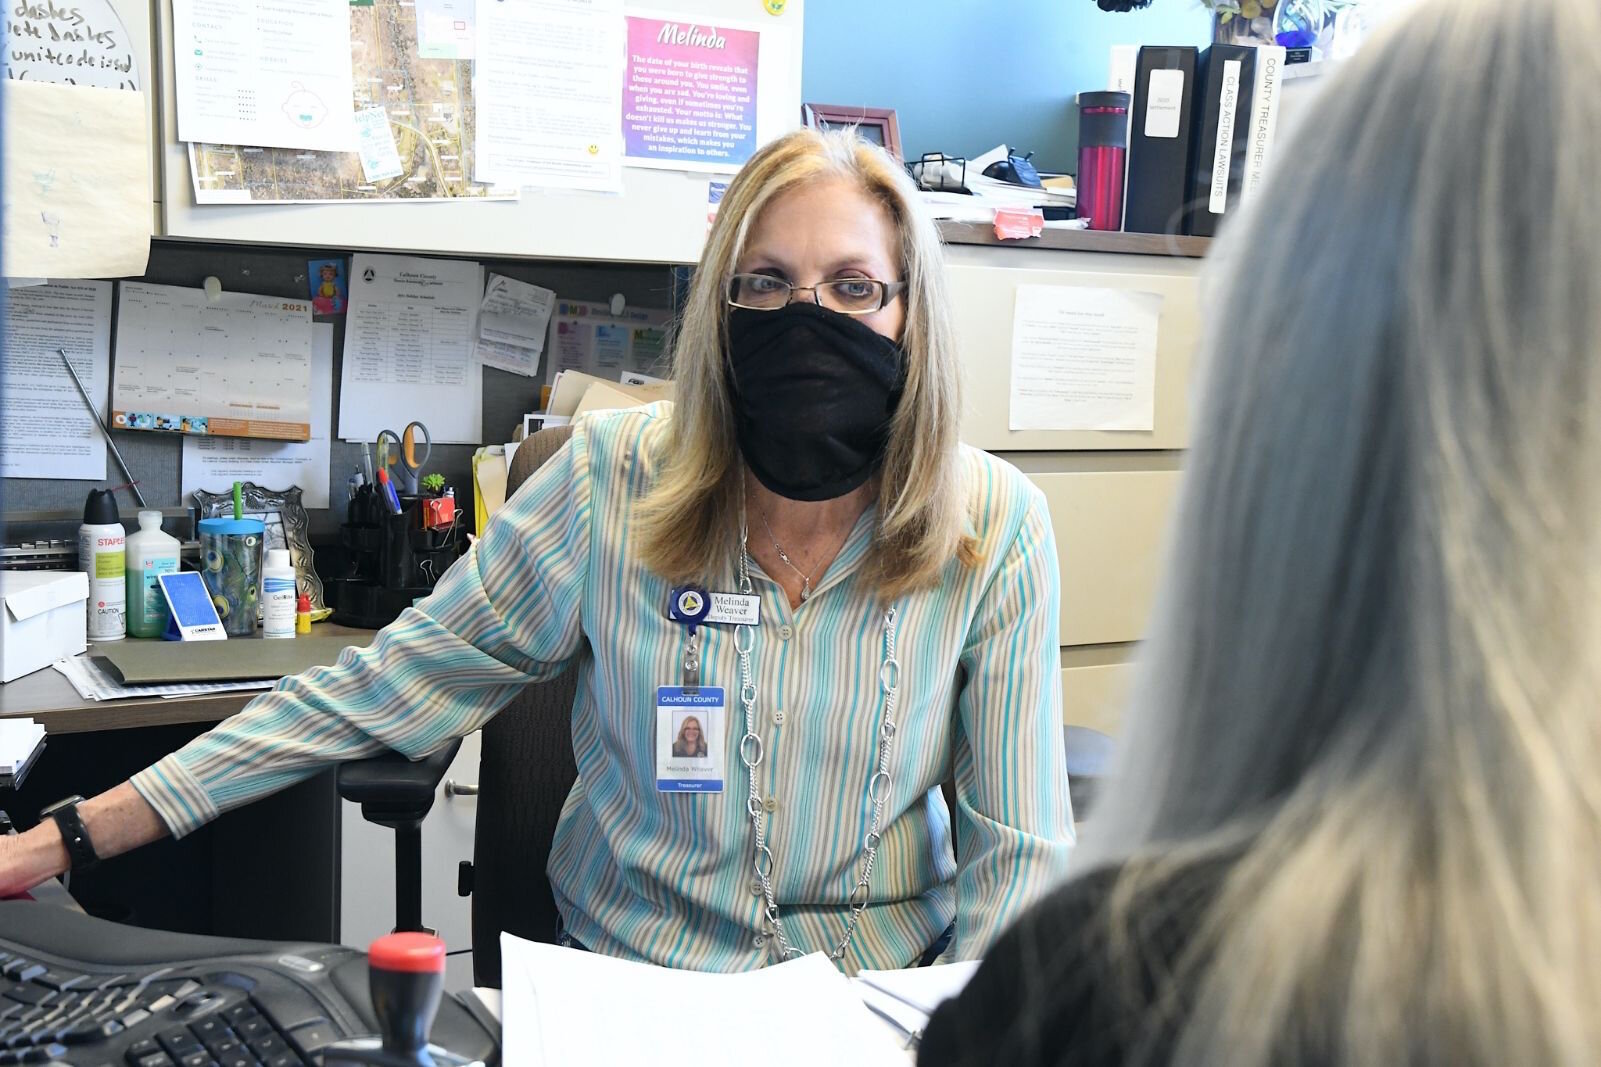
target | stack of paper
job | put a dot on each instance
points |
(93, 683)
(574, 393)
(21, 740)
(564, 1006)
(987, 194)
(903, 1000)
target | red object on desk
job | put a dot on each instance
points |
(438, 511)
(1013, 224)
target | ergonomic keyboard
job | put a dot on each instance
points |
(79, 990)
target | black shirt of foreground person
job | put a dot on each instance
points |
(1055, 990)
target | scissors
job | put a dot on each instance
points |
(404, 453)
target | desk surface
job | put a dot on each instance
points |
(48, 697)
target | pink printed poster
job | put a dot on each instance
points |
(689, 94)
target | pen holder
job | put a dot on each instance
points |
(391, 560)
(230, 563)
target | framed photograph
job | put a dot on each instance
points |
(288, 526)
(875, 124)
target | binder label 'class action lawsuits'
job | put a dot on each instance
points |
(1225, 83)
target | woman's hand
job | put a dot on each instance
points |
(117, 820)
(31, 858)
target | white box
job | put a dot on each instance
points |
(44, 619)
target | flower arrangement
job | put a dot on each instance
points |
(1227, 11)
(1292, 23)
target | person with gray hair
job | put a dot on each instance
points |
(1357, 812)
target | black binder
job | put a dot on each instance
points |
(1225, 84)
(1159, 140)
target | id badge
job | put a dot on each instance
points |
(689, 739)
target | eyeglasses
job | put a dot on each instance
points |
(850, 296)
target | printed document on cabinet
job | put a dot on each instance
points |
(409, 338)
(1084, 359)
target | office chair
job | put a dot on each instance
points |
(526, 771)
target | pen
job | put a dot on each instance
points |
(366, 461)
(913, 1038)
(391, 497)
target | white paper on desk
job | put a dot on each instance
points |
(1084, 358)
(922, 988)
(409, 349)
(563, 1006)
(512, 321)
(77, 182)
(215, 463)
(548, 86)
(270, 73)
(237, 364)
(18, 740)
(45, 429)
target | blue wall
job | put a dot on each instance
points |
(966, 75)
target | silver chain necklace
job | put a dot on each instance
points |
(806, 579)
(751, 752)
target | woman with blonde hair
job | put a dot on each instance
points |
(691, 740)
(1358, 812)
(800, 550)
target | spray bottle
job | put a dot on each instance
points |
(101, 542)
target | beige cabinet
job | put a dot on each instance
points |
(1111, 494)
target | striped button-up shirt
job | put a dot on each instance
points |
(667, 877)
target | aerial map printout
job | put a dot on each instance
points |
(414, 117)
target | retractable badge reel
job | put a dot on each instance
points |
(689, 717)
(689, 607)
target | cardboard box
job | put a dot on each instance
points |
(44, 619)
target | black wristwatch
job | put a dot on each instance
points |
(80, 850)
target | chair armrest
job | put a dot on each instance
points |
(389, 787)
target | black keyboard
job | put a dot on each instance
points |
(79, 990)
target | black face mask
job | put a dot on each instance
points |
(813, 391)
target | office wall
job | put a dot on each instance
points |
(965, 75)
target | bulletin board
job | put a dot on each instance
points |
(155, 458)
(659, 217)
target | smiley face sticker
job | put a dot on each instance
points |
(775, 7)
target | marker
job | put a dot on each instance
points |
(388, 487)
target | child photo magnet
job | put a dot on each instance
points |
(329, 292)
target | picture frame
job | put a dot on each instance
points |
(875, 124)
(284, 514)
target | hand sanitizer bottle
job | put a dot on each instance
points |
(151, 554)
(278, 595)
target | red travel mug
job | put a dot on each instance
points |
(1102, 156)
